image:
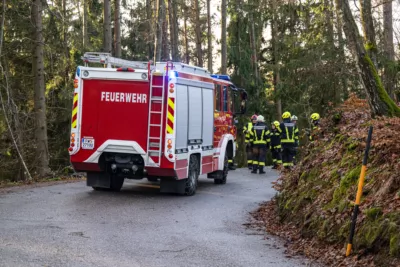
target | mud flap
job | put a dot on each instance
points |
(172, 186)
(98, 179)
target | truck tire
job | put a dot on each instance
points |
(224, 172)
(116, 183)
(192, 180)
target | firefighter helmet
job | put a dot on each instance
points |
(315, 116)
(260, 118)
(254, 117)
(286, 115)
(294, 118)
(276, 123)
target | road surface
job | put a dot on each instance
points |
(72, 225)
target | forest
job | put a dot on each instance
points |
(304, 56)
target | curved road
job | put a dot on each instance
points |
(72, 225)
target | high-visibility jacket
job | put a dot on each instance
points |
(275, 138)
(259, 134)
(246, 131)
(289, 133)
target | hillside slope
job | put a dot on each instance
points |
(315, 200)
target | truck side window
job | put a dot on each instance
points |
(217, 98)
(225, 99)
(231, 100)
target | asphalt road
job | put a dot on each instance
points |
(72, 225)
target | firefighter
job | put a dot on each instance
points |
(315, 130)
(246, 130)
(296, 147)
(289, 137)
(275, 144)
(259, 136)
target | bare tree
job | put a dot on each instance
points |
(389, 74)
(159, 34)
(85, 25)
(149, 22)
(117, 28)
(223, 37)
(209, 38)
(378, 99)
(185, 28)
(107, 27)
(42, 154)
(16, 141)
(165, 51)
(199, 50)
(368, 29)
(173, 28)
(275, 44)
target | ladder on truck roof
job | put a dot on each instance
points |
(107, 59)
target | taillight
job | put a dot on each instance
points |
(126, 69)
(72, 142)
(76, 83)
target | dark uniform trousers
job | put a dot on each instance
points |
(259, 152)
(289, 151)
(276, 155)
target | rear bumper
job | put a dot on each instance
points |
(85, 167)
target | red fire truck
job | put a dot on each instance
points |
(167, 121)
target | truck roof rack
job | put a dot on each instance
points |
(108, 60)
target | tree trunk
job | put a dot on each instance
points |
(175, 53)
(165, 41)
(149, 21)
(368, 29)
(65, 42)
(389, 73)
(117, 29)
(199, 51)
(42, 155)
(275, 51)
(159, 35)
(187, 57)
(85, 25)
(339, 28)
(107, 27)
(253, 45)
(171, 29)
(378, 99)
(223, 38)
(209, 38)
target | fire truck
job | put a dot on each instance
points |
(167, 121)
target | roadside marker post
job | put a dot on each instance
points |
(359, 193)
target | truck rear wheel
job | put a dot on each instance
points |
(192, 180)
(224, 173)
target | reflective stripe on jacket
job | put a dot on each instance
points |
(259, 134)
(289, 132)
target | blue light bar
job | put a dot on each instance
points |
(221, 77)
(78, 72)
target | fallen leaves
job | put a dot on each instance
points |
(315, 200)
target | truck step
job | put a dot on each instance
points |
(155, 112)
(157, 86)
(156, 98)
(155, 125)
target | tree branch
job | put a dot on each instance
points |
(6, 86)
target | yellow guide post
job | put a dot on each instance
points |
(359, 193)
